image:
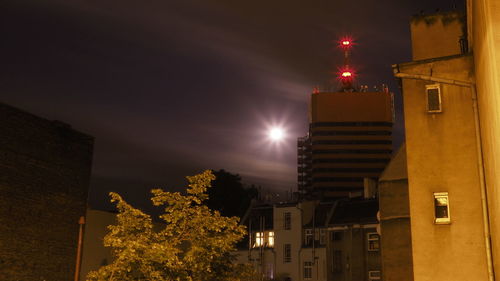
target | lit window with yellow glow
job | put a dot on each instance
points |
(264, 239)
(441, 208)
(270, 239)
(259, 239)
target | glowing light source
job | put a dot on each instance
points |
(346, 74)
(276, 134)
(345, 42)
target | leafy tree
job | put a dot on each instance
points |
(194, 243)
(228, 195)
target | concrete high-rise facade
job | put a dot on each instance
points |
(350, 138)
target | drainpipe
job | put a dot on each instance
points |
(479, 152)
(81, 222)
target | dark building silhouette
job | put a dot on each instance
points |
(44, 177)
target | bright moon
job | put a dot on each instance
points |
(276, 134)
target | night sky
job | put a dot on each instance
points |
(169, 88)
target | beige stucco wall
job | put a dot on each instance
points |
(283, 236)
(441, 156)
(319, 268)
(394, 216)
(485, 39)
(436, 35)
(95, 254)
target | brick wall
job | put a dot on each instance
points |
(44, 177)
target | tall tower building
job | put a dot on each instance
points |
(349, 139)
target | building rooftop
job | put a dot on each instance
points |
(321, 212)
(355, 212)
(259, 218)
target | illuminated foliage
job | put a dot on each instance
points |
(194, 243)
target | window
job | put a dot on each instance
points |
(287, 220)
(308, 237)
(373, 241)
(337, 261)
(441, 208)
(264, 239)
(287, 253)
(433, 98)
(269, 271)
(259, 239)
(308, 270)
(374, 275)
(322, 236)
(270, 239)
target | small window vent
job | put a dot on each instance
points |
(433, 98)
(441, 208)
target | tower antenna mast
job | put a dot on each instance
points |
(346, 75)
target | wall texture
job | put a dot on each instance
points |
(442, 157)
(44, 176)
(484, 38)
(395, 236)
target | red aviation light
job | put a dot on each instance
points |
(346, 43)
(346, 73)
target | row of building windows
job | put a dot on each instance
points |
(352, 142)
(347, 170)
(352, 151)
(351, 124)
(356, 187)
(338, 179)
(351, 133)
(351, 160)
(372, 238)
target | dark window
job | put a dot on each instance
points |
(308, 270)
(337, 261)
(287, 253)
(287, 220)
(433, 98)
(308, 237)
